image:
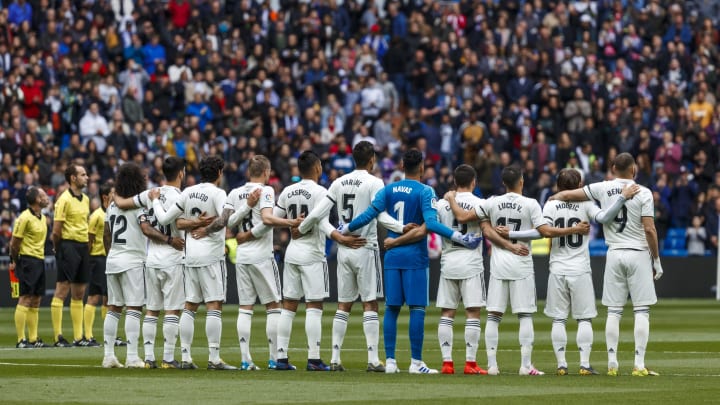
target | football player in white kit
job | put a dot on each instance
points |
(570, 280)
(257, 273)
(466, 281)
(125, 244)
(359, 271)
(305, 272)
(632, 260)
(512, 276)
(205, 278)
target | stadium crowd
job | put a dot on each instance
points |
(546, 84)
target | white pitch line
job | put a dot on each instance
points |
(47, 365)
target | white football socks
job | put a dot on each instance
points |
(371, 327)
(584, 341)
(313, 331)
(558, 335)
(244, 325)
(284, 330)
(187, 331)
(149, 332)
(213, 331)
(132, 333)
(642, 333)
(110, 332)
(612, 335)
(445, 337)
(273, 315)
(338, 334)
(171, 328)
(472, 337)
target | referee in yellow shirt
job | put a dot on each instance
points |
(27, 250)
(70, 238)
(98, 257)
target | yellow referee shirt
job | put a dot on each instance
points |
(33, 231)
(97, 227)
(73, 212)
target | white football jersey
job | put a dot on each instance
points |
(260, 249)
(161, 254)
(518, 213)
(203, 198)
(128, 242)
(626, 231)
(458, 262)
(569, 255)
(299, 199)
(352, 194)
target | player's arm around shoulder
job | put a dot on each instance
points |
(461, 215)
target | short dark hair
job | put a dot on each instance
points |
(307, 162)
(412, 161)
(172, 166)
(568, 179)
(257, 166)
(464, 175)
(623, 162)
(71, 170)
(32, 195)
(363, 153)
(130, 180)
(106, 188)
(511, 175)
(210, 169)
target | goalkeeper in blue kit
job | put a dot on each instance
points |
(406, 266)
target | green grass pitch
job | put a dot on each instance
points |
(684, 347)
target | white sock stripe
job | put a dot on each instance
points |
(615, 311)
(562, 321)
(368, 318)
(189, 313)
(316, 310)
(447, 321)
(643, 309)
(214, 314)
(171, 318)
(472, 322)
(588, 320)
(150, 319)
(245, 312)
(274, 311)
(524, 315)
(134, 314)
(115, 315)
(494, 318)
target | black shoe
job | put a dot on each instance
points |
(316, 365)
(61, 342)
(80, 343)
(92, 343)
(23, 344)
(38, 344)
(188, 365)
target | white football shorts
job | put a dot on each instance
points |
(470, 290)
(359, 273)
(566, 292)
(206, 283)
(126, 288)
(165, 289)
(628, 272)
(521, 293)
(258, 280)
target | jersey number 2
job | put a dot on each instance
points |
(118, 226)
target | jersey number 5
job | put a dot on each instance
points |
(347, 207)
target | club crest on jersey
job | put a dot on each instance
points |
(268, 197)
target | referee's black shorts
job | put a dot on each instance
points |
(30, 271)
(73, 262)
(98, 279)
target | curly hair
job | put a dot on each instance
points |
(130, 180)
(210, 169)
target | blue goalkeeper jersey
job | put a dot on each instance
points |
(408, 201)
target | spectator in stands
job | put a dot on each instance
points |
(696, 237)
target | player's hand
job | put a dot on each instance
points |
(520, 250)
(552, 197)
(154, 194)
(503, 231)
(294, 223)
(254, 197)
(630, 190)
(450, 195)
(657, 269)
(177, 244)
(389, 243)
(583, 228)
(205, 220)
(470, 240)
(409, 227)
(295, 233)
(199, 233)
(351, 241)
(243, 237)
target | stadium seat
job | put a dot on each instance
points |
(676, 233)
(597, 244)
(674, 243)
(674, 252)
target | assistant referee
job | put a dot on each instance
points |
(27, 250)
(70, 238)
